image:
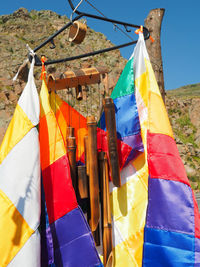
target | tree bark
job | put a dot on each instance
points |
(153, 23)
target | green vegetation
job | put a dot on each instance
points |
(195, 182)
(34, 17)
(184, 121)
(11, 50)
(192, 90)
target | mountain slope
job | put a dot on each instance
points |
(190, 90)
(22, 27)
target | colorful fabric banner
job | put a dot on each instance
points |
(126, 113)
(20, 183)
(67, 116)
(73, 244)
(172, 228)
(155, 216)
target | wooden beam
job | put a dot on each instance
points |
(74, 78)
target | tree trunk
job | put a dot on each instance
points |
(153, 23)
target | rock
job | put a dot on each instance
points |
(2, 105)
(51, 69)
(181, 149)
(23, 72)
(18, 89)
(197, 138)
(12, 97)
(188, 131)
(2, 133)
(21, 13)
(178, 140)
(4, 121)
(194, 112)
(3, 98)
(189, 170)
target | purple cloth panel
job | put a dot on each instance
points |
(47, 256)
(73, 241)
(170, 206)
(197, 252)
(134, 141)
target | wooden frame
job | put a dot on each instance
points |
(81, 77)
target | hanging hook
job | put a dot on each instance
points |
(126, 28)
(53, 44)
(71, 17)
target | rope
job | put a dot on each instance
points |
(75, 10)
(116, 26)
(32, 53)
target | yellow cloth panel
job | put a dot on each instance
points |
(51, 141)
(124, 258)
(128, 205)
(45, 107)
(152, 83)
(158, 117)
(139, 162)
(14, 230)
(142, 84)
(56, 103)
(136, 248)
(19, 126)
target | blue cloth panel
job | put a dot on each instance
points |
(167, 249)
(197, 252)
(127, 120)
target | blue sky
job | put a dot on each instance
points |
(180, 37)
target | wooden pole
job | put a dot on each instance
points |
(93, 173)
(153, 23)
(82, 182)
(87, 159)
(111, 131)
(106, 211)
(71, 151)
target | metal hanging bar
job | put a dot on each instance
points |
(80, 15)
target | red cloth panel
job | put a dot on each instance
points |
(164, 160)
(59, 193)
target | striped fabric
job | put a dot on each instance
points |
(67, 116)
(126, 113)
(172, 227)
(69, 240)
(20, 183)
(155, 216)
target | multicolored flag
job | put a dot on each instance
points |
(129, 146)
(126, 113)
(20, 183)
(155, 215)
(172, 228)
(73, 244)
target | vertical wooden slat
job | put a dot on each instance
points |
(93, 173)
(109, 110)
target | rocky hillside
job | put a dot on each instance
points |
(22, 27)
(183, 105)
